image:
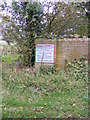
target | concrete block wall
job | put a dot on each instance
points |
(66, 49)
(70, 49)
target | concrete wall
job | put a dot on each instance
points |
(69, 49)
(66, 49)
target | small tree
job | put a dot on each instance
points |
(23, 27)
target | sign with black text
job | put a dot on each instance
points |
(45, 53)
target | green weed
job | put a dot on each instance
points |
(58, 94)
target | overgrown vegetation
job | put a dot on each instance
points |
(50, 93)
(22, 28)
(47, 69)
(27, 92)
(79, 68)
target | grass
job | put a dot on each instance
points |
(61, 94)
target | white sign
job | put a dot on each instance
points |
(45, 53)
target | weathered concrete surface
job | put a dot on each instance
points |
(69, 49)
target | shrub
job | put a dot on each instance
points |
(78, 68)
(44, 69)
